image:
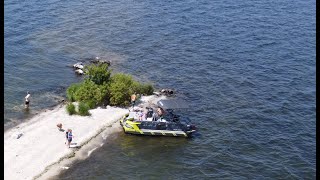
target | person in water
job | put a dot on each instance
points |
(27, 101)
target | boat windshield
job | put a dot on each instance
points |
(173, 104)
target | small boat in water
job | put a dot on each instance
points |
(162, 123)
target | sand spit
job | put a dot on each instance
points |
(31, 147)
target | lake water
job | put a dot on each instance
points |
(246, 68)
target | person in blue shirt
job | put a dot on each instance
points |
(69, 137)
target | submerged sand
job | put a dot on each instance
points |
(33, 146)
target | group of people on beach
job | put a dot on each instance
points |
(69, 134)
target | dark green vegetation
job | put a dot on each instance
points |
(101, 88)
(71, 109)
(84, 109)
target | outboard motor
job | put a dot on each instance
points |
(191, 127)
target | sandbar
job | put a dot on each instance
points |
(33, 146)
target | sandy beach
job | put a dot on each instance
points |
(31, 147)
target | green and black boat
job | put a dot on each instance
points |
(153, 124)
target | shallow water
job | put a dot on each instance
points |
(247, 70)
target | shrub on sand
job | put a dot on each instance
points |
(91, 104)
(71, 91)
(71, 109)
(83, 109)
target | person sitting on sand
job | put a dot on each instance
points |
(59, 125)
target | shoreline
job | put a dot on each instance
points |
(41, 148)
(42, 144)
(19, 121)
(108, 134)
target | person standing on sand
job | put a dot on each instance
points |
(70, 136)
(67, 132)
(133, 99)
(27, 101)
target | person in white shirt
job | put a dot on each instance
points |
(27, 102)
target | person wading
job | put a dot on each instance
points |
(27, 101)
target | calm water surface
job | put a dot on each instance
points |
(247, 68)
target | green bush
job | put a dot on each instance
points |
(91, 104)
(122, 86)
(89, 91)
(71, 109)
(146, 89)
(100, 87)
(71, 91)
(99, 73)
(83, 109)
(120, 89)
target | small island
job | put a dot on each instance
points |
(100, 88)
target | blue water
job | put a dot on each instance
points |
(247, 70)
